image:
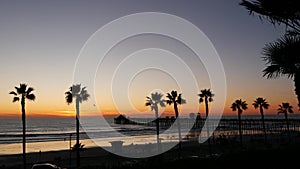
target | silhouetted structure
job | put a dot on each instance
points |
(280, 56)
(153, 102)
(206, 96)
(22, 93)
(262, 104)
(239, 105)
(175, 99)
(122, 119)
(286, 108)
(80, 94)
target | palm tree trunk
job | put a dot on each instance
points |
(263, 122)
(157, 128)
(77, 135)
(179, 128)
(240, 126)
(24, 131)
(297, 86)
(287, 125)
(207, 126)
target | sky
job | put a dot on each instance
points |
(41, 41)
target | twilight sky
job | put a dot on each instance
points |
(41, 40)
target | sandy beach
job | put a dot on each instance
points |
(97, 156)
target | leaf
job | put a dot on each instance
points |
(29, 90)
(15, 99)
(30, 97)
(14, 93)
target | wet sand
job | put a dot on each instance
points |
(97, 156)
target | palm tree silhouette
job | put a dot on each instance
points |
(175, 99)
(276, 12)
(286, 108)
(282, 60)
(281, 55)
(22, 93)
(206, 96)
(80, 94)
(153, 102)
(239, 106)
(262, 104)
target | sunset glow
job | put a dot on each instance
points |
(41, 47)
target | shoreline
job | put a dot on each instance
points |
(98, 156)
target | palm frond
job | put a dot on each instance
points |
(69, 97)
(239, 105)
(272, 71)
(276, 12)
(281, 57)
(174, 93)
(76, 88)
(234, 106)
(85, 96)
(18, 90)
(206, 94)
(162, 103)
(23, 87)
(201, 100)
(30, 97)
(29, 90)
(285, 108)
(169, 102)
(260, 102)
(169, 96)
(255, 105)
(13, 93)
(201, 95)
(15, 99)
(180, 100)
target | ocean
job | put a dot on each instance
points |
(56, 133)
(45, 134)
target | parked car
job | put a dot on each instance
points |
(45, 166)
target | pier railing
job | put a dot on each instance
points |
(230, 126)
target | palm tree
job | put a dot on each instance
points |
(22, 93)
(262, 104)
(280, 56)
(286, 108)
(282, 60)
(153, 102)
(80, 94)
(276, 12)
(175, 99)
(206, 96)
(239, 106)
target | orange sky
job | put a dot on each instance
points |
(41, 47)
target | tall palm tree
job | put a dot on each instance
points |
(286, 108)
(280, 56)
(22, 93)
(175, 99)
(79, 94)
(239, 106)
(262, 104)
(153, 102)
(206, 96)
(282, 60)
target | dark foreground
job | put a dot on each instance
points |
(225, 154)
